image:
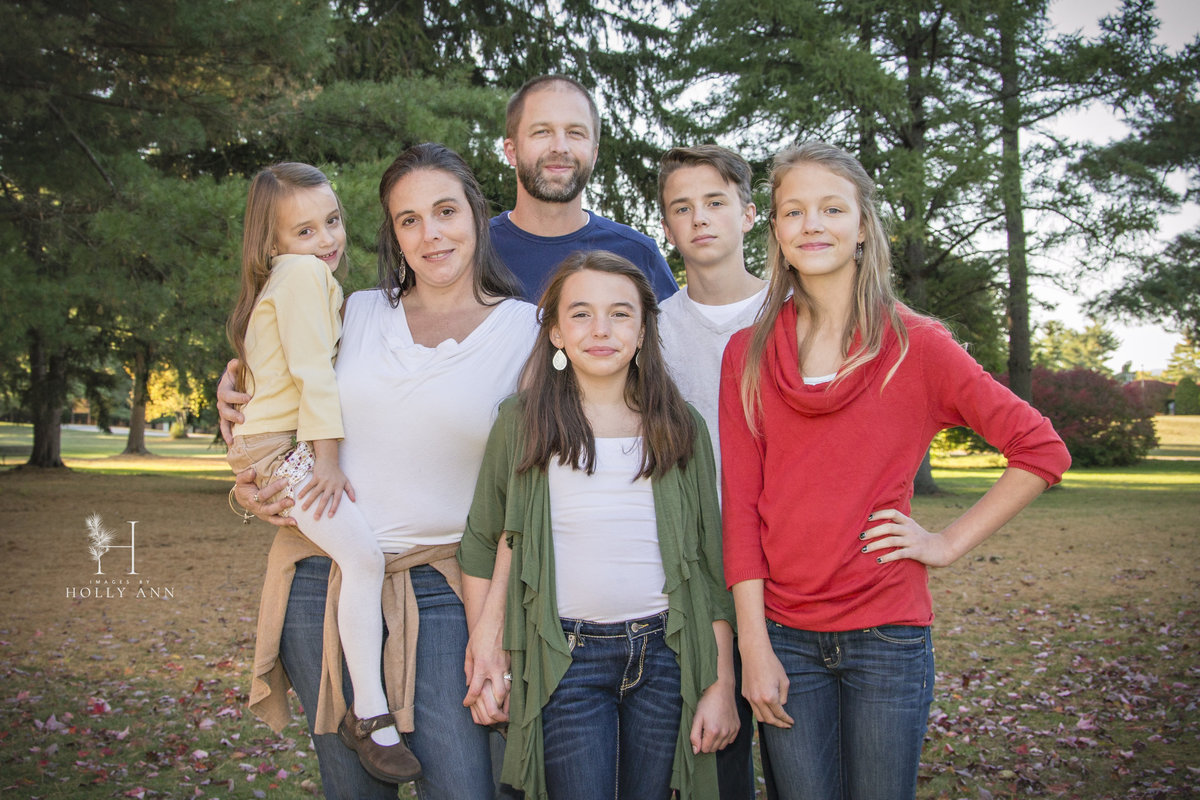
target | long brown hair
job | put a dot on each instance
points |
(875, 305)
(267, 188)
(554, 420)
(491, 278)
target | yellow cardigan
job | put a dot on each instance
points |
(291, 342)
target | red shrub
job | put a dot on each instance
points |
(1099, 424)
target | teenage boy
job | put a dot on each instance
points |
(704, 194)
(552, 138)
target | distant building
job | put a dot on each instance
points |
(1149, 393)
(81, 412)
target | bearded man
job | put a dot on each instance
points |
(552, 139)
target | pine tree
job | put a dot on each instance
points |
(87, 88)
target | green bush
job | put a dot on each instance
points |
(1187, 396)
(178, 430)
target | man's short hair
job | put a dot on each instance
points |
(728, 164)
(516, 103)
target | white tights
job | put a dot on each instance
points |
(350, 542)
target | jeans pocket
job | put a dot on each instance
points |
(910, 635)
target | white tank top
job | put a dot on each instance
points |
(607, 562)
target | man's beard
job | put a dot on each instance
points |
(540, 188)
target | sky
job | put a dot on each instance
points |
(1147, 347)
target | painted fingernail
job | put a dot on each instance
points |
(870, 516)
(879, 560)
(864, 549)
(862, 535)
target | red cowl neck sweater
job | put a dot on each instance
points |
(797, 495)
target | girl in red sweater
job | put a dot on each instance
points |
(827, 407)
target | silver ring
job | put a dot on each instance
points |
(256, 497)
(508, 677)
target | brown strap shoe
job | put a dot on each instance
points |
(391, 763)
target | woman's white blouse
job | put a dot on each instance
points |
(417, 418)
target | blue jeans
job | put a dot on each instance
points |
(860, 700)
(735, 761)
(454, 752)
(611, 724)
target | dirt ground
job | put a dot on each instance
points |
(199, 569)
(1097, 583)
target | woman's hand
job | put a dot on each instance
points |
(716, 723)
(488, 709)
(227, 400)
(247, 495)
(764, 683)
(908, 538)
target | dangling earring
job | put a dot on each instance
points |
(637, 358)
(559, 362)
(858, 253)
(403, 271)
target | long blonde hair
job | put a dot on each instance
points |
(875, 303)
(267, 188)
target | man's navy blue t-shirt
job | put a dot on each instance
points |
(533, 259)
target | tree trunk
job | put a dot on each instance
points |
(916, 256)
(46, 400)
(1020, 358)
(923, 483)
(135, 445)
(917, 294)
(868, 144)
(98, 401)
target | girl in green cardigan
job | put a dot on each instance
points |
(592, 560)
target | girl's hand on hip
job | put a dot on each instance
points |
(906, 539)
(325, 488)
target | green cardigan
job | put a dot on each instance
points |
(689, 537)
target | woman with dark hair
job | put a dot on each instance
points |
(490, 279)
(593, 553)
(424, 360)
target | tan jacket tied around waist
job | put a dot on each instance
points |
(269, 683)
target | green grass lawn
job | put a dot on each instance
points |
(101, 452)
(1178, 437)
(16, 441)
